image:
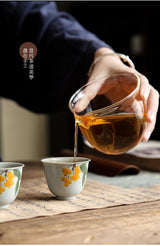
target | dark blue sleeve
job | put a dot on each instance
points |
(65, 52)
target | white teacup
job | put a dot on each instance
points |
(10, 179)
(65, 176)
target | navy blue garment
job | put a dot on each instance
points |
(65, 52)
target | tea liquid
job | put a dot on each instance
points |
(113, 134)
(76, 140)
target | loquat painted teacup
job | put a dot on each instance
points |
(10, 179)
(65, 176)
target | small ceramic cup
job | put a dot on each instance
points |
(65, 176)
(10, 179)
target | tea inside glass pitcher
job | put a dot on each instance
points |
(109, 113)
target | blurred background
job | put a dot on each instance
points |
(131, 28)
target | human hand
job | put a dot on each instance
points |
(110, 64)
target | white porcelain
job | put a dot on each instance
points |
(10, 179)
(65, 176)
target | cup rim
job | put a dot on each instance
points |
(112, 105)
(9, 165)
(63, 160)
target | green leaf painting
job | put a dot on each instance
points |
(84, 170)
(18, 175)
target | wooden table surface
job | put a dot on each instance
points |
(127, 224)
